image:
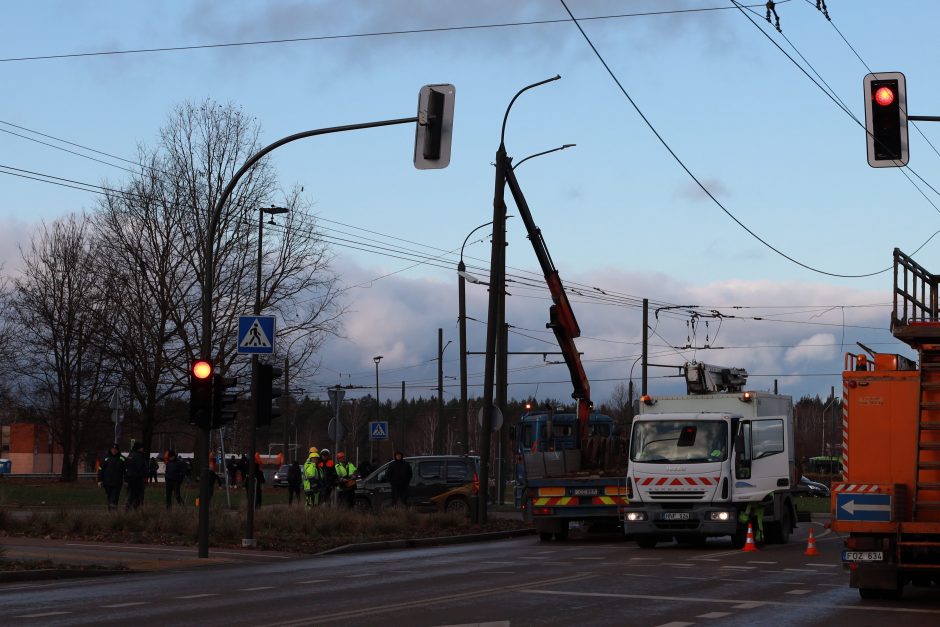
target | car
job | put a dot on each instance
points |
(447, 483)
(808, 487)
(280, 477)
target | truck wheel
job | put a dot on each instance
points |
(545, 536)
(458, 505)
(646, 541)
(563, 534)
(779, 532)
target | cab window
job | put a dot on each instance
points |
(430, 471)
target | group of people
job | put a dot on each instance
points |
(115, 470)
(321, 476)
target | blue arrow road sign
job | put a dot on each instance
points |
(378, 430)
(256, 335)
(867, 507)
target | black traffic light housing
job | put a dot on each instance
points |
(224, 402)
(200, 393)
(435, 127)
(268, 393)
(886, 119)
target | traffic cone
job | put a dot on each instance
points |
(749, 544)
(811, 545)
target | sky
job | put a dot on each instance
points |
(623, 220)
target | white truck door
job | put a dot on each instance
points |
(761, 460)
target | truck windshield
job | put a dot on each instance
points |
(666, 441)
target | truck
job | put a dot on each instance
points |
(573, 471)
(559, 482)
(710, 462)
(887, 504)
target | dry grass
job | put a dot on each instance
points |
(295, 529)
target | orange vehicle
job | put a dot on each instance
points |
(888, 501)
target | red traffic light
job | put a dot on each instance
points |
(202, 369)
(884, 96)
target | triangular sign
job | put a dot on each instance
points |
(378, 431)
(256, 337)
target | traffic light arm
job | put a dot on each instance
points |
(924, 118)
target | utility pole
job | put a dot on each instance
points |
(439, 428)
(401, 418)
(502, 397)
(646, 325)
(287, 455)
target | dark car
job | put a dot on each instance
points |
(808, 487)
(439, 482)
(280, 477)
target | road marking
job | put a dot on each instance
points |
(197, 596)
(256, 589)
(800, 570)
(360, 575)
(737, 580)
(41, 615)
(826, 565)
(747, 606)
(740, 567)
(132, 603)
(590, 558)
(758, 562)
(832, 585)
(703, 559)
(695, 578)
(322, 580)
(799, 591)
(682, 564)
(714, 615)
(645, 559)
(675, 624)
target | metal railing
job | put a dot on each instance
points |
(915, 292)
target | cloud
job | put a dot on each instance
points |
(821, 346)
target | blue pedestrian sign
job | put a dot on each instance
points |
(378, 430)
(863, 507)
(256, 335)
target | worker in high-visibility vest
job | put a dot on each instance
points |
(346, 474)
(312, 478)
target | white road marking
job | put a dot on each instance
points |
(256, 589)
(41, 614)
(714, 615)
(747, 606)
(703, 559)
(321, 580)
(759, 562)
(197, 596)
(132, 603)
(800, 570)
(536, 557)
(360, 575)
(799, 591)
(740, 567)
(826, 565)
(391, 571)
(832, 585)
(737, 580)
(675, 624)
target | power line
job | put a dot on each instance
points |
(412, 31)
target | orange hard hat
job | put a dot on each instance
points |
(341, 456)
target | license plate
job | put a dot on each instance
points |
(676, 516)
(863, 556)
(584, 492)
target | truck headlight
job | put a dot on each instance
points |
(635, 516)
(721, 516)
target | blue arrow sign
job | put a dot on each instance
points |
(378, 430)
(256, 335)
(866, 507)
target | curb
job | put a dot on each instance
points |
(47, 574)
(424, 542)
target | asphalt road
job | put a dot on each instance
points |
(589, 581)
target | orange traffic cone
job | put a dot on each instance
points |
(749, 544)
(811, 545)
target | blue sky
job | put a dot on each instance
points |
(617, 212)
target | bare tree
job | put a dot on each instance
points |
(58, 312)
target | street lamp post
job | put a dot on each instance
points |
(376, 359)
(253, 435)
(462, 323)
(439, 431)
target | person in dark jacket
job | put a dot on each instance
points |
(399, 476)
(294, 479)
(138, 467)
(259, 482)
(154, 467)
(111, 475)
(174, 474)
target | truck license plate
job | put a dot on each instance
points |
(585, 491)
(676, 516)
(863, 556)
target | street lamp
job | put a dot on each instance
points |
(462, 323)
(253, 436)
(376, 359)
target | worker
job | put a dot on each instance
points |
(294, 481)
(399, 476)
(346, 475)
(754, 513)
(328, 477)
(311, 478)
(138, 467)
(174, 473)
(111, 475)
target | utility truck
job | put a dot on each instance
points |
(888, 502)
(707, 463)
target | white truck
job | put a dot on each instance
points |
(707, 463)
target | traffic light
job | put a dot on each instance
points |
(267, 394)
(223, 405)
(886, 119)
(435, 126)
(200, 393)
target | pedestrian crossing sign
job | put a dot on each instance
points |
(378, 430)
(256, 335)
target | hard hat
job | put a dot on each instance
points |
(341, 455)
(312, 455)
(313, 449)
(325, 451)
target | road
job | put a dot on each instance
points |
(588, 581)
